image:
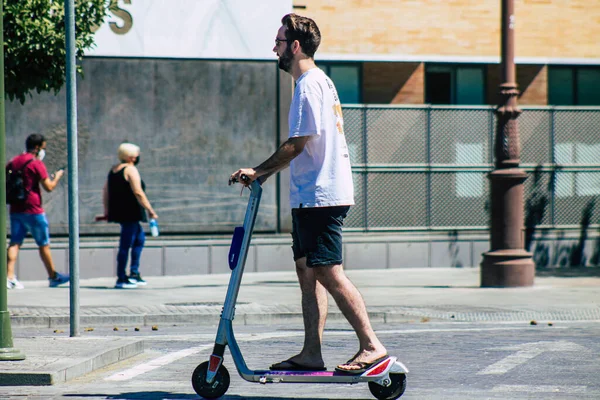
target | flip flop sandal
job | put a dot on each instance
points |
(294, 366)
(362, 366)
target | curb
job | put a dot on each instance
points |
(295, 317)
(78, 368)
(197, 319)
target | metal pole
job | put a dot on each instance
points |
(7, 352)
(507, 264)
(73, 168)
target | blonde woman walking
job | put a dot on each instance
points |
(125, 203)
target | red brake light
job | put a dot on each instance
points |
(213, 363)
(379, 368)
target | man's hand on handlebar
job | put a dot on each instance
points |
(245, 176)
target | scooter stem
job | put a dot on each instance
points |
(236, 275)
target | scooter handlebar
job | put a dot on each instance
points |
(243, 177)
(246, 180)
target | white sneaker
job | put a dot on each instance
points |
(126, 284)
(14, 284)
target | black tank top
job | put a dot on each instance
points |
(122, 203)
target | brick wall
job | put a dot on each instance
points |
(533, 83)
(393, 83)
(544, 28)
(404, 83)
(531, 79)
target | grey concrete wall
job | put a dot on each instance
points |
(193, 256)
(196, 122)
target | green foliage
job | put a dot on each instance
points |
(35, 45)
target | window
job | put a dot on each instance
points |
(439, 86)
(588, 86)
(573, 86)
(454, 84)
(347, 80)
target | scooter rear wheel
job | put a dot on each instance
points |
(391, 392)
(214, 390)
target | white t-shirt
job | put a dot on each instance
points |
(321, 174)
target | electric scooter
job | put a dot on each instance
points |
(386, 379)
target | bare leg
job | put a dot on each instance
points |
(11, 259)
(314, 312)
(352, 305)
(46, 257)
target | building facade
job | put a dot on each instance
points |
(447, 52)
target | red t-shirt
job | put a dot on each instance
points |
(33, 173)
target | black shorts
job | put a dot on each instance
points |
(317, 234)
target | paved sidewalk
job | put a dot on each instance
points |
(392, 295)
(52, 360)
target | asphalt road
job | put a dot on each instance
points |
(446, 361)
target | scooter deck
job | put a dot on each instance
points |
(301, 373)
(302, 377)
(375, 372)
(387, 364)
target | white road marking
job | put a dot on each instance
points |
(526, 352)
(156, 363)
(171, 357)
(249, 337)
(540, 389)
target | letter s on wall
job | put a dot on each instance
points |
(124, 15)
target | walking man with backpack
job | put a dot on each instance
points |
(25, 174)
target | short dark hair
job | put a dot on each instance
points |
(304, 30)
(34, 140)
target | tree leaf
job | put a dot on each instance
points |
(34, 42)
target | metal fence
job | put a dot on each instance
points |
(425, 167)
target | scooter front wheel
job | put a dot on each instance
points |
(394, 390)
(212, 390)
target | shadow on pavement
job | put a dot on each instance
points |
(236, 397)
(571, 272)
(295, 283)
(153, 288)
(427, 287)
(200, 286)
(151, 395)
(160, 395)
(97, 287)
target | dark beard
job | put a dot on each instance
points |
(285, 61)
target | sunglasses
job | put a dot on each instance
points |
(277, 41)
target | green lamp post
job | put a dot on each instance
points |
(7, 351)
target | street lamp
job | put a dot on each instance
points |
(507, 264)
(7, 352)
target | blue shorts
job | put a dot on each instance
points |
(36, 224)
(317, 234)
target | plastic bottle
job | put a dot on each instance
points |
(153, 227)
